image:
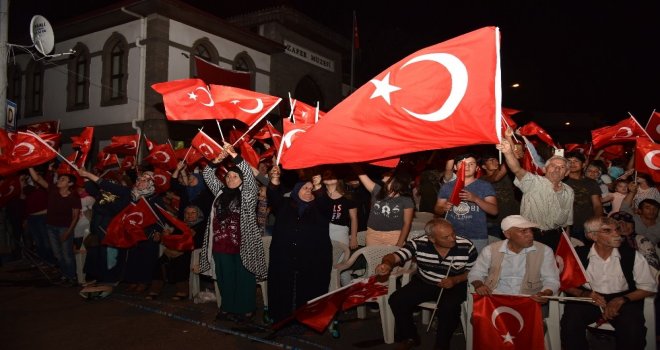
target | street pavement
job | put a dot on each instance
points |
(38, 314)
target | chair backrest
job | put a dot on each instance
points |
(373, 255)
(266, 240)
(362, 238)
(339, 250)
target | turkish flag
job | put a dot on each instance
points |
(275, 135)
(47, 127)
(126, 145)
(187, 99)
(180, 242)
(65, 168)
(191, 155)
(162, 180)
(533, 129)
(247, 106)
(292, 133)
(647, 158)
(507, 322)
(507, 114)
(106, 160)
(214, 74)
(29, 151)
(162, 156)
(612, 152)
(446, 95)
(304, 113)
(127, 163)
(54, 140)
(83, 142)
(206, 145)
(262, 134)
(459, 185)
(6, 144)
(248, 153)
(653, 127)
(627, 130)
(531, 160)
(571, 271)
(363, 291)
(583, 148)
(126, 229)
(10, 188)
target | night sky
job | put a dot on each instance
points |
(600, 58)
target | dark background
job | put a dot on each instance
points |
(593, 60)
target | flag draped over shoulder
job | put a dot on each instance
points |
(446, 95)
(571, 271)
(647, 158)
(627, 130)
(507, 322)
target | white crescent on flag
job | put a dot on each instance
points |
(206, 150)
(29, 146)
(131, 221)
(160, 180)
(166, 157)
(255, 110)
(627, 132)
(648, 160)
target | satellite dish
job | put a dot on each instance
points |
(42, 35)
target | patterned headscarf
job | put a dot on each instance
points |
(136, 193)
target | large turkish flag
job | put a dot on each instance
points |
(507, 322)
(446, 95)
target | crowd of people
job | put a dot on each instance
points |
(498, 236)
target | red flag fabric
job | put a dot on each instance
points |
(262, 134)
(106, 160)
(507, 322)
(180, 242)
(83, 142)
(304, 113)
(626, 130)
(248, 153)
(206, 145)
(65, 168)
(292, 133)
(362, 292)
(647, 158)
(571, 271)
(533, 129)
(162, 156)
(127, 163)
(213, 74)
(28, 151)
(612, 152)
(10, 188)
(446, 95)
(583, 148)
(507, 114)
(653, 127)
(455, 199)
(50, 126)
(247, 106)
(162, 180)
(276, 136)
(6, 144)
(190, 154)
(126, 229)
(126, 145)
(54, 140)
(187, 99)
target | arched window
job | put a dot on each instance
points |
(34, 92)
(243, 62)
(78, 84)
(309, 92)
(15, 85)
(203, 48)
(115, 71)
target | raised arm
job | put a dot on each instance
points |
(511, 160)
(38, 178)
(364, 179)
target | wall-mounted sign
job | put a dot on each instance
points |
(309, 56)
(10, 122)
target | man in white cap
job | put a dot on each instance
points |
(516, 265)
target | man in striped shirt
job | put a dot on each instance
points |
(443, 262)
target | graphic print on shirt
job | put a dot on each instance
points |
(336, 212)
(384, 209)
(464, 209)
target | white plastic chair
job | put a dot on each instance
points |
(339, 250)
(264, 284)
(374, 255)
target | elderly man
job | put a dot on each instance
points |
(443, 261)
(517, 265)
(619, 280)
(546, 200)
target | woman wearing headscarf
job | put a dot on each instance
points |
(300, 252)
(233, 251)
(141, 258)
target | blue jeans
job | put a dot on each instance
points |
(36, 227)
(63, 251)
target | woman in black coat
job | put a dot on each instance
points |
(300, 252)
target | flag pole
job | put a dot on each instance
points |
(509, 126)
(292, 103)
(451, 263)
(640, 126)
(316, 115)
(649, 121)
(51, 148)
(219, 129)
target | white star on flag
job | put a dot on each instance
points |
(192, 96)
(383, 88)
(508, 338)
